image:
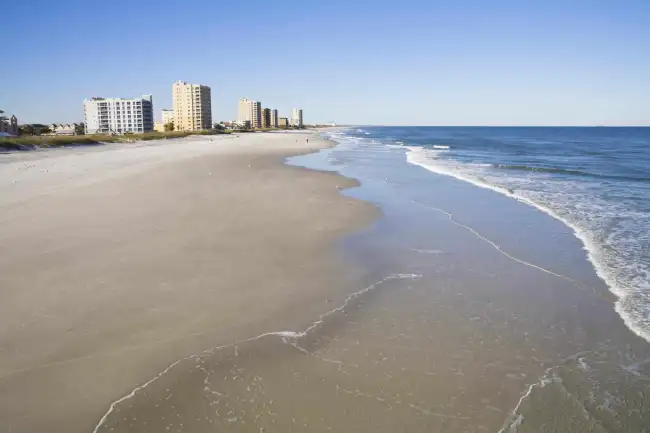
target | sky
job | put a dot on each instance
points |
(412, 62)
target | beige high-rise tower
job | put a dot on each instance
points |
(266, 118)
(251, 111)
(192, 106)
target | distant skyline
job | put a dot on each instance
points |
(468, 62)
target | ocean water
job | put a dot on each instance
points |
(595, 180)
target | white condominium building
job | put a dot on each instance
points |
(274, 118)
(118, 115)
(192, 106)
(296, 118)
(251, 111)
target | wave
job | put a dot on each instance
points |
(556, 170)
(631, 317)
(439, 146)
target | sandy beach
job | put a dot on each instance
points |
(120, 260)
(213, 284)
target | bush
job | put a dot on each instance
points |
(30, 142)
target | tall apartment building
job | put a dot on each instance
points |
(283, 122)
(251, 111)
(296, 117)
(118, 115)
(274, 118)
(266, 118)
(192, 106)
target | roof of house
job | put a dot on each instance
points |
(64, 125)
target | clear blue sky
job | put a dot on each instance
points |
(425, 62)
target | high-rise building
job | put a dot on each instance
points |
(251, 111)
(274, 118)
(283, 122)
(192, 106)
(266, 118)
(167, 116)
(118, 115)
(296, 117)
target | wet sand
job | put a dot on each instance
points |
(456, 333)
(508, 328)
(119, 261)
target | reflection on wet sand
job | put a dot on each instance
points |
(471, 331)
(421, 352)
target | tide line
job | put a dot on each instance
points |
(543, 382)
(111, 408)
(287, 337)
(576, 283)
(546, 379)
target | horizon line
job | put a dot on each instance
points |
(496, 126)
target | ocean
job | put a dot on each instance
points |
(596, 180)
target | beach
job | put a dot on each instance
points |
(119, 260)
(262, 284)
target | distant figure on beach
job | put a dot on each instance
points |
(307, 140)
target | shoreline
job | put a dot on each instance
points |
(551, 343)
(251, 179)
(592, 254)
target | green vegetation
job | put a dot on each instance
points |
(34, 128)
(164, 135)
(34, 141)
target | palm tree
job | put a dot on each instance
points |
(3, 119)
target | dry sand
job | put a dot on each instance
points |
(119, 260)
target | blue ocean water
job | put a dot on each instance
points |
(595, 180)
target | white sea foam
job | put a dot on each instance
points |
(516, 418)
(417, 250)
(633, 314)
(439, 146)
(584, 366)
(289, 334)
